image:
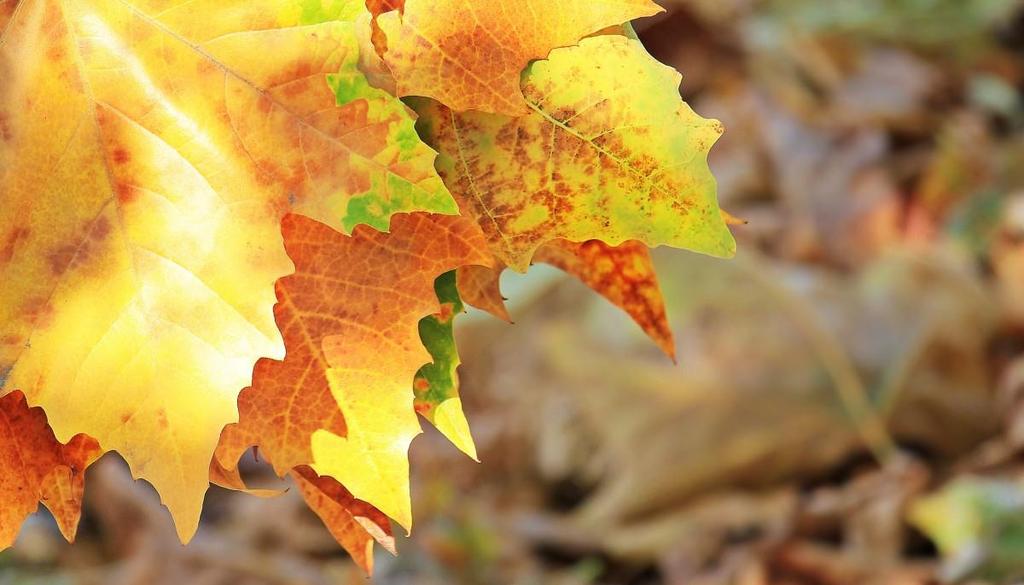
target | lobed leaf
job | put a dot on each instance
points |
(146, 159)
(624, 275)
(609, 152)
(35, 468)
(354, 524)
(437, 384)
(161, 171)
(469, 55)
(341, 400)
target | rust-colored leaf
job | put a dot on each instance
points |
(480, 287)
(469, 54)
(354, 524)
(35, 467)
(623, 274)
(342, 400)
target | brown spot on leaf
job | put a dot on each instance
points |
(100, 230)
(38, 312)
(265, 104)
(295, 89)
(69, 255)
(121, 156)
(126, 193)
(6, 133)
(56, 52)
(11, 340)
(11, 242)
(60, 260)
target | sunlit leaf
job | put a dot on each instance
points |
(146, 159)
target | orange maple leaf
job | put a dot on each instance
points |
(35, 467)
(350, 316)
(469, 55)
(623, 274)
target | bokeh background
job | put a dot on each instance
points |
(848, 406)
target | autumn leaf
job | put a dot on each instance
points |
(624, 275)
(6, 10)
(177, 182)
(609, 152)
(480, 287)
(146, 159)
(469, 55)
(437, 384)
(35, 467)
(354, 524)
(376, 8)
(341, 401)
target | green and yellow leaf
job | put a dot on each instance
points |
(437, 384)
(608, 152)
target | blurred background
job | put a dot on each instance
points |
(848, 407)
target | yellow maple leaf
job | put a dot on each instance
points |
(148, 151)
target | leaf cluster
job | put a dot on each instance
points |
(238, 223)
